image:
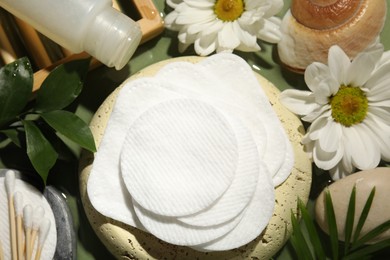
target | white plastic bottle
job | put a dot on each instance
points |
(93, 26)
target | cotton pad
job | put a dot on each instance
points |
(170, 230)
(241, 90)
(255, 218)
(179, 157)
(241, 191)
(134, 99)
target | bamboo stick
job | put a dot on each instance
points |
(10, 186)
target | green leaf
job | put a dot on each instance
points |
(72, 127)
(39, 150)
(366, 251)
(298, 240)
(363, 216)
(62, 86)
(372, 234)
(332, 224)
(311, 229)
(349, 220)
(14, 135)
(16, 82)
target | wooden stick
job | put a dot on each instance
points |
(10, 186)
(27, 220)
(43, 232)
(34, 43)
(18, 201)
(1, 252)
(38, 214)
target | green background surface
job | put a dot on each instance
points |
(102, 81)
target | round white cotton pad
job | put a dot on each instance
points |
(255, 218)
(171, 230)
(241, 90)
(188, 146)
(241, 191)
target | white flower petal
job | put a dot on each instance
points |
(381, 131)
(200, 27)
(174, 3)
(339, 171)
(362, 148)
(203, 4)
(320, 111)
(298, 102)
(385, 59)
(330, 136)
(379, 81)
(275, 8)
(325, 89)
(381, 103)
(326, 160)
(315, 73)
(227, 38)
(314, 130)
(248, 41)
(170, 18)
(270, 30)
(382, 113)
(185, 37)
(206, 45)
(192, 15)
(258, 5)
(362, 66)
(338, 63)
(214, 28)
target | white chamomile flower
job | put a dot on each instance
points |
(224, 25)
(348, 106)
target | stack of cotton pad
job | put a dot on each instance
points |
(191, 155)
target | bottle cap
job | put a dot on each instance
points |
(112, 38)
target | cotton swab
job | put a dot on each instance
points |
(38, 214)
(10, 186)
(18, 203)
(27, 220)
(43, 232)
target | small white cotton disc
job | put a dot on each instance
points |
(175, 232)
(238, 195)
(179, 157)
(254, 220)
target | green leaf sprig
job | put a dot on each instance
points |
(355, 244)
(22, 121)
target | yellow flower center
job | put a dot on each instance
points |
(349, 105)
(228, 10)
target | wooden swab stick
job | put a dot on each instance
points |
(43, 232)
(18, 202)
(27, 220)
(1, 252)
(10, 186)
(38, 214)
